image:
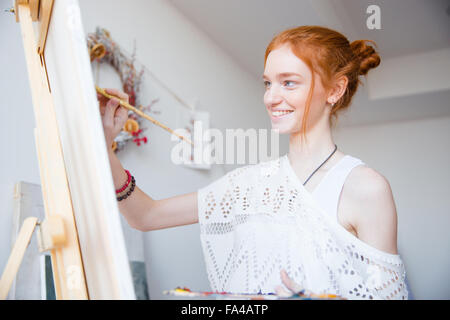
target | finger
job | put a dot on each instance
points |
(102, 108)
(289, 283)
(100, 95)
(110, 111)
(122, 113)
(120, 117)
(119, 94)
(102, 101)
(280, 291)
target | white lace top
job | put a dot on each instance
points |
(258, 219)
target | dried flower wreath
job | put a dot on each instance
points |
(103, 49)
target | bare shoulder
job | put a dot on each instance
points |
(369, 207)
(367, 182)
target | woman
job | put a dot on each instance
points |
(313, 219)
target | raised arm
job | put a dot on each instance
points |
(140, 210)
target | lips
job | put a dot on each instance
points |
(278, 114)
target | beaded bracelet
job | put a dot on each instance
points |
(127, 189)
(127, 192)
(126, 183)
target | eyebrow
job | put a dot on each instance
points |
(285, 74)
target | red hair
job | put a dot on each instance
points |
(329, 54)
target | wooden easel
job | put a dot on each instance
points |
(51, 236)
(82, 227)
(58, 231)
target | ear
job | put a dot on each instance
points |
(338, 90)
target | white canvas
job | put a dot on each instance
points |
(86, 163)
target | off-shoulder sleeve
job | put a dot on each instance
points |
(383, 274)
(362, 271)
(219, 200)
(215, 200)
(220, 204)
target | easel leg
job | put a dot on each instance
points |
(17, 253)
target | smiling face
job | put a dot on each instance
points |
(287, 81)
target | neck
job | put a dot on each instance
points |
(313, 151)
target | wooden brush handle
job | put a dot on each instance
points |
(140, 113)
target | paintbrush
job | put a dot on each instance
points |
(140, 113)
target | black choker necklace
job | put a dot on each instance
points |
(335, 148)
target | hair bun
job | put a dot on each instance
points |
(367, 55)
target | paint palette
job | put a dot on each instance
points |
(185, 293)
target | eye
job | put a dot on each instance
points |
(287, 82)
(266, 84)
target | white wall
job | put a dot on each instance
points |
(414, 156)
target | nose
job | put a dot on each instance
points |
(272, 96)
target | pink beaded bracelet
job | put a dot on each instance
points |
(126, 183)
